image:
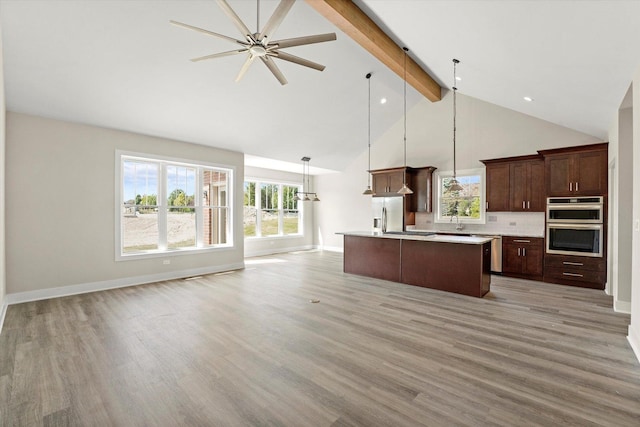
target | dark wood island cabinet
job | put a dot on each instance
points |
(448, 263)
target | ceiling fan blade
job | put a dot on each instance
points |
(236, 20)
(219, 55)
(211, 33)
(299, 41)
(245, 67)
(274, 69)
(276, 19)
(296, 60)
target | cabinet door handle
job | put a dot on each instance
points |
(524, 251)
(487, 206)
(577, 186)
(518, 251)
(572, 263)
(572, 274)
(528, 204)
(521, 241)
(523, 204)
(571, 186)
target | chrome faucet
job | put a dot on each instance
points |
(459, 225)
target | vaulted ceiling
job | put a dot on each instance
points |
(119, 64)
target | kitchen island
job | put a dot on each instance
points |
(459, 264)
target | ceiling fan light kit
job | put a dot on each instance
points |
(259, 44)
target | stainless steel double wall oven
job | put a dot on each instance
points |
(575, 226)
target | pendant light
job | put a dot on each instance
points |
(405, 189)
(369, 191)
(454, 184)
(306, 196)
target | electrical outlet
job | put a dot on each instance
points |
(166, 261)
(637, 224)
(492, 218)
(512, 223)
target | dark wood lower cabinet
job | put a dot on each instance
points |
(587, 272)
(453, 267)
(523, 257)
(372, 257)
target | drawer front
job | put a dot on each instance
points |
(575, 263)
(574, 274)
(522, 241)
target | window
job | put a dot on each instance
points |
(467, 205)
(270, 209)
(161, 209)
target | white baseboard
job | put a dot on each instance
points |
(634, 340)
(622, 306)
(63, 291)
(271, 251)
(331, 248)
(3, 312)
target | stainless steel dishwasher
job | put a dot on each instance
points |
(496, 251)
(496, 254)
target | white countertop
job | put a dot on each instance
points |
(481, 233)
(469, 240)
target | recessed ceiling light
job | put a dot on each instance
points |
(528, 98)
(383, 100)
(458, 78)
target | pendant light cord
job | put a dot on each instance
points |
(455, 89)
(405, 108)
(369, 127)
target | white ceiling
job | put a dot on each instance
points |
(119, 64)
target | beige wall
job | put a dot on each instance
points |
(270, 245)
(60, 222)
(620, 208)
(484, 131)
(2, 185)
(634, 328)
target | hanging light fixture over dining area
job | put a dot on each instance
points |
(306, 195)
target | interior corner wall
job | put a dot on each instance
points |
(2, 186)
(624, 210)
(278, 244)
(60, 222)
(634, 327)
(484, 131)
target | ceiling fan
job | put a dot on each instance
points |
(259, 44)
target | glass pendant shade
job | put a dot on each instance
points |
(455, 186)
(405, 189)
(368, 191)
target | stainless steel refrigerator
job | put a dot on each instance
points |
(390, 211)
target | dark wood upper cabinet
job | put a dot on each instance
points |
(526, 186)
(387, 182)
(515, 184)
(423, 189)
(497, 185)
(576, 171)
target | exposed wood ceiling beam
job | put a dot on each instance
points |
(349, 18)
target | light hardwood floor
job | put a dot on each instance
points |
(248, 348)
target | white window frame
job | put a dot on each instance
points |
(257, 207)
(439, 176)
(163, 161)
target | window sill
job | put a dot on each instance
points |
(171, 253)
(274, 237)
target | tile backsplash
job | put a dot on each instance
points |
(504, 223)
